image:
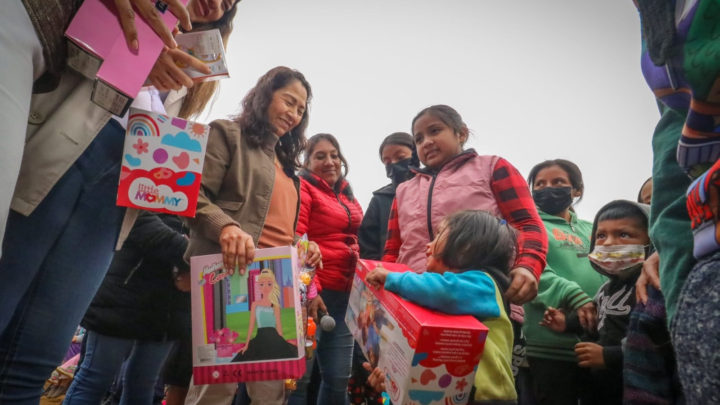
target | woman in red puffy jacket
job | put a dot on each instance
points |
(331, 217)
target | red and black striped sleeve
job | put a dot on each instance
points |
(518, 209)
(393, 242)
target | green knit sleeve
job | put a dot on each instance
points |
(560, 290)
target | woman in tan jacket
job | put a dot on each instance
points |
(250, 195)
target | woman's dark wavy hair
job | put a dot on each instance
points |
(256, 126)
(305, 173)
(478, 240)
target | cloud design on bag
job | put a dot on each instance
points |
(182, 141)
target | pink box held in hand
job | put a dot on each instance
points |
(98, 50)
(427, 357)
(247, 327)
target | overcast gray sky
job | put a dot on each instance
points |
(534, 80)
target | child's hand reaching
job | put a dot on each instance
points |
(377, 378)
(590, 355)
(377, 277)
(588, 316)
(554, 320)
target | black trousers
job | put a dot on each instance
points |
(558, 382)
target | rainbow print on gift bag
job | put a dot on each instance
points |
(247, 327)
(162, 163)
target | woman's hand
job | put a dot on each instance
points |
(315, 305)
(238, 248)
(590, 355)
(376, 379)
(587, 314)
(166, 75)
(182, 282)
(524, 286)
(314, 256)
(377, 277)
(554, 320)
(650, 275)
(152, 16)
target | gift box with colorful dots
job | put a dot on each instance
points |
(428, 358)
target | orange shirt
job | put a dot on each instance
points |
(280, 220)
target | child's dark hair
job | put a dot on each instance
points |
(448, 115)
(572, 170)
(397, 138)
(476, 240)
(622, 211)
(639, 199)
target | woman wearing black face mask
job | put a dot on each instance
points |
(556, 185)
(395, 153)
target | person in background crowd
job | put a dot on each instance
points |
(679, 65)
(650, 368)
(250, 195)
(454, 179)
(33, 32)
(137, 314)
(66, 198)
(645, 193)
(395, 153)
(556, 185)
(620, 244)
(330, 215)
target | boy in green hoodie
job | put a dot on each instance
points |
(619, 245)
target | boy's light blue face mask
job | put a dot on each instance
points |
(619, 259)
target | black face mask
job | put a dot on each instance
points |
(397, 172)
(553, 200)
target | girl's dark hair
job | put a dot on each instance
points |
(639, 199)
(311, 144)
(572, 170)
(448, 115)
(254, 122)
(200, 94)
(397, 138)
(623, 211)
(478, 240)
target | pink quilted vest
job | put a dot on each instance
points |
(424, 201)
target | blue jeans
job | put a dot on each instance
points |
(334, 355)
(115, 394)
(104, 358)
(52, 264)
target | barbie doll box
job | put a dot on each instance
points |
(427, 357)
(98, 50)
(247, 327)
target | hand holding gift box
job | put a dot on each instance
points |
(260, 309)
(99, 51)
(426, 356)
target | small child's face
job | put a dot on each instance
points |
(626, 231)
(433, 248)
